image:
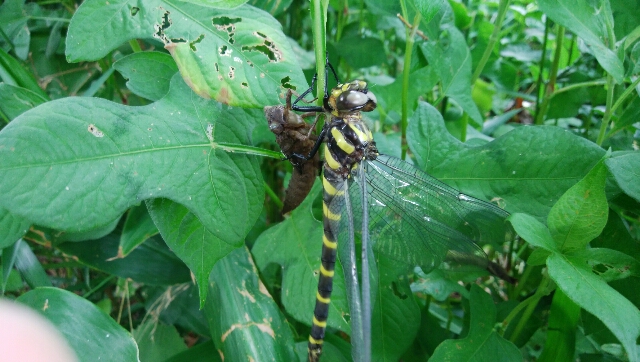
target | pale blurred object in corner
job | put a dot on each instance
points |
(26, 336)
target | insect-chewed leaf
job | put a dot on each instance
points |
(76, 163)
(241, 60)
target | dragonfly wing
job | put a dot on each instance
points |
(418, 220)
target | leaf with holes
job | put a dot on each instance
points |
(77, 163)
(242, 59)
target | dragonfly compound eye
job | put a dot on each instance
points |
(356, 100)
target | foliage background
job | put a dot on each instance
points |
(135, 160)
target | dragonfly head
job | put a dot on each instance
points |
(351, 97)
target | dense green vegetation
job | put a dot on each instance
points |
(139, 179)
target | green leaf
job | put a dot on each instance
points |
(422, 81)
(29, 267)
(451, 60)
(428, 9)
(94, 159)
(607, 263)
(244, 320)
(157, 341)
(616, 236)
(533, 231)
(199, 248)
(481, 343)
(581, 213)
(13, 73)
(12, 228)
(240, 59)
(150, 263)
(203, 352)
(361, 52)
(16, 100)
(563, 323)
(149, 73)
(13, 23)
(296, 245)
(437, 285)
(395, 316)
(625, 168)
(526, 170)
(588, 20)
(91, 333)
(178, 305)
(272, 7)
(138, 227)
(594, 295)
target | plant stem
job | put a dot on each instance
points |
(276, 200)
(611, 83)
(135, 46)
(406, 68)
(502, 11)
(532, 302)
(319, 19)
(553, 76)
(592, 83)
(539, 86)
(627, 92)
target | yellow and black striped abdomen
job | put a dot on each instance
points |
(348, 142)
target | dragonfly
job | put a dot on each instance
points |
(393, 208)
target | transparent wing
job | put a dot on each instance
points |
(415, 219)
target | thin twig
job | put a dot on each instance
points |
(421, 34)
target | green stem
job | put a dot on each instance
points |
(103, 282)
(406, 68)
(608, 112)
(532, 302)
(495, 35)
(319, 19)
(553, 76)
(592, 83)
(627, 92)
(135, 46)
(463, 127)
(539, 83)
(276, 200)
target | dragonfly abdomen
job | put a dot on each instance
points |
(349, 141)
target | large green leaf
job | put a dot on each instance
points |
(526, 170)
(16, 100)
(151, 262)
(149, 73)
(157, 341)
(77, 163)
(29, 266)
(296, 244)
(482, 343)
(533, 231)
(244, 320)
(12, 227)
(92, 334)
(178, 305)
(581, 213)
(199, 248)
(451, 60)
(563, 323)
(594, 295)
(395, 316)
(137, 228)
(240, 58)
(588, 20)
(625, 168)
